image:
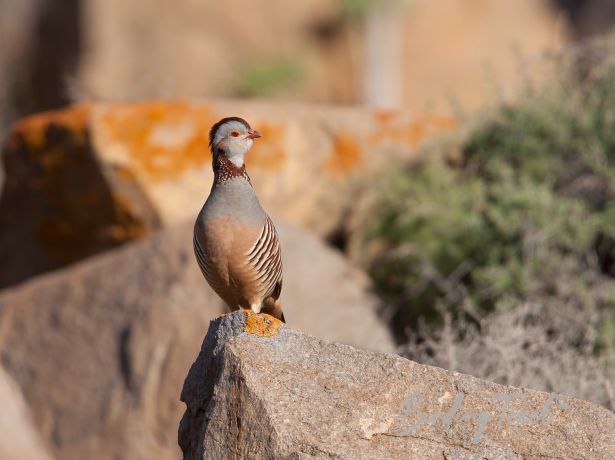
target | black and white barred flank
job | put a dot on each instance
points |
(266, 260)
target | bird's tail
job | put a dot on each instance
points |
(273, 307)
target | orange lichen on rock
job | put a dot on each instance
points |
(32, 130)
(384, 116)
(162, 139)
(65, 200)
(412, 133)
(261, 324)
(345, 155)
(268, 151)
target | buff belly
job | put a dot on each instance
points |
(225, 243)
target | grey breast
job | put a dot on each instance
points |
(235, 198)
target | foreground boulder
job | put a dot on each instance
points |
(259, 389)
(92, 177)
(100, 350)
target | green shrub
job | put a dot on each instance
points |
(268, 77)
(527, 215)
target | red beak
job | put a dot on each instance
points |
(253, 134)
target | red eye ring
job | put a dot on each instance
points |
(235, 133)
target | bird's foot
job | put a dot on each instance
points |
(226, 314)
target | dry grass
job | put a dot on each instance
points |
(528, 346)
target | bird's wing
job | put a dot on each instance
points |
(204, 263)
(264, 260)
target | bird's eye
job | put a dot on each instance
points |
(235, 133)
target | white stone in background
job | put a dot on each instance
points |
(19, 440)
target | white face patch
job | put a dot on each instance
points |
(235, 147)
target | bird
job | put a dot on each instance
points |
(235, 242)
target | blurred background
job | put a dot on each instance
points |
(442, 172)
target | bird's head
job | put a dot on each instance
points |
(232, 137)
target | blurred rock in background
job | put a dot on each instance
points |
(92, 177)
(114, 50)
(40, 50)
(59, 202)
(588, 18)
(100, 349)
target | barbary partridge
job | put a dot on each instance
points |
(235, 241)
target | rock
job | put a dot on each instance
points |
(590, 18)
(16, 21)
(60, 204)
(100, 349)
(327, 296)
(18, 438)
(259, 389)
(39, 47)
(91, 177)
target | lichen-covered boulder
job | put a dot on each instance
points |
(90, 177)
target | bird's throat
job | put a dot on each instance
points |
(225, 169)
